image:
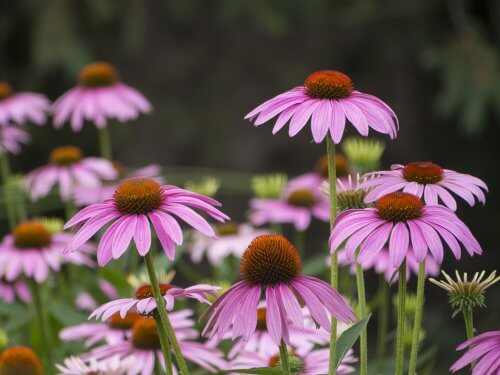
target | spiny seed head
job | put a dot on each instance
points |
(146, 291)
(399, 206)
(208, 186)
(351, 200)
(269, 186)
(295, 362)
(364, 153)
(328, 84)
(65, 155)
(98, 74)
(466, 294)
(138, 196)
(19, 360)
(341, 166)
(227, 229)
(301, 198)
(119, 323)
(269, 260)
(31, 234)
(145, 334)
(423, 172)
(5, 90)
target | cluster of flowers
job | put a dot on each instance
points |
(275, 315)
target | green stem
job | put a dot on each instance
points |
(363, 339)
(157, 368)
(334, 268)
(383, 321)
(285, 361)
(9, 203)
(45, 344)
(165, 328)
(299, 240)
(105, 143)
(164, 344)
(469, 323)
(418, 319)
(400, 341)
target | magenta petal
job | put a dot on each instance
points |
(142, 235)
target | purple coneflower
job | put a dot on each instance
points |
(403, 222)
(9, 290)
(11, 139)
(67, 169)
(135, 205)
(484, 352)
(232, 239)
(20, 360)
(21, 107)
(327, 98)
(99, 96)
(32, 250)
(301, 200)
(144, 303)
(271, 268)
(143, 351)
(77, 366)
(428, 180)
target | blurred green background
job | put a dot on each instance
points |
(205, 64)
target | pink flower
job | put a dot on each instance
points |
(77, 366)
(232, 239)
(99, 96)
(9, 290)
(85, 302)
(484, 353)
(271, 268)
(143, 350)
(68, 169)
(428, 180)
(396, 219)
(116, 328)
(327, 98)
(85, 195)
(11, 139)
(31, 250)
(21, 107)
(382, 264)
(315, 361)
(144, 303)
(135, 205)
(301, 201)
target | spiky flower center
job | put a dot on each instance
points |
(351, 199)
(269, 260)
(328, 84)
(5, 90)
(341, 166)
(301, 198)
(138, 196)
(119, 323)
(145, 334)
(399, 206)
(423, 172)
(31, 234)
(295, 361)
(146, 291)
(99, 74)
(227, 229)
(20, 360)
(65, 155)
(261, 319)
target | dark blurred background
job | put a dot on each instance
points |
(205, 64)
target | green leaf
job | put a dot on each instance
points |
(348, 338)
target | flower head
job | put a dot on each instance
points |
(349, 194)
(12, 138)
(32, 250)
(21, 107)
(483, 353)
(271, 270)
(327, 98)
(427, 180)
(136, 204)
(363, 153)
(300, 200)
(20, 360)
(401, 221)
(208, 186)
(99, 96)
(269, 186)
(68, 169)
(466, 294)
